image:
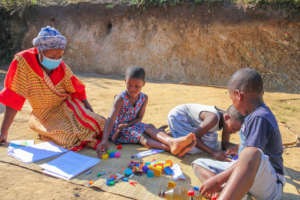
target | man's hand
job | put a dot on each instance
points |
(232, 150)
(102, 148)
(220, 155)
(210, 187)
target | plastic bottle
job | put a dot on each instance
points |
(177, 193)
(182, 193)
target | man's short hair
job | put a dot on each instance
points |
(247, 80)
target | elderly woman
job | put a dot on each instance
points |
(60, 110)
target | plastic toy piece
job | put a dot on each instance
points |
(109, 151)
(127, 172)
(191, 193)
(112, 154)
(133, 183)
(235, 157)
(133, 169)
(159, 167)
(100, 174)
(88, 172)
(168, 171)
(117, 155)
(91, 182)
(145, 169)
(125, 179)
(138, 172)
(150, 173)
(168, 163)
(171, 184)
(157, 171)
(119, 146)
(105, 156)
(109, 183)
(119, 176)
(112, 177)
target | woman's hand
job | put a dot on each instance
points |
(102, 148)
(3, 138)
(9, 116)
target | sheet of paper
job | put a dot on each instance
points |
(19, 143)
(69, 165)
(22, 142)
(36, 152)
(178, 174)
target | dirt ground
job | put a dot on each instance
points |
(20, 183)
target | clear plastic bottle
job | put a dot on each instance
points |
(181, 193)
(177, 193)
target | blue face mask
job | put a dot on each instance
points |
(51, 64)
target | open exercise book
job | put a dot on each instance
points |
(69, 165)
(34, 152)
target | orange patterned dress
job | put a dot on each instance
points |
(58, 113)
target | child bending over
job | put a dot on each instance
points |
(204, 121)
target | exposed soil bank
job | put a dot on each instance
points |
(202, 44)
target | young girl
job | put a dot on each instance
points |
(124, 124)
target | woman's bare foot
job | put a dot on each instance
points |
(178, 145)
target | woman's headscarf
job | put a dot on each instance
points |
(49, 38)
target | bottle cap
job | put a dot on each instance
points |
(196, 188)
(191, 193)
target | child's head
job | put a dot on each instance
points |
(245, 89)
(233, 120)
(135, 80)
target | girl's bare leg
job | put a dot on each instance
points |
(115, 135)
(150, 143)
(176, 145)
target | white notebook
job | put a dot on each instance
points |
(36, 152)
(69, 165)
